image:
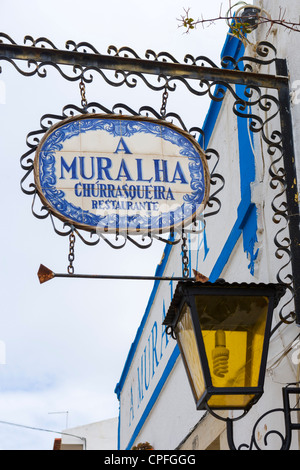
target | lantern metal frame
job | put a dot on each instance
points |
(185, 294)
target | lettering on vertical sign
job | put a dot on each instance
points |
(121, 173)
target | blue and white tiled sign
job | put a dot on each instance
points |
(114, 172)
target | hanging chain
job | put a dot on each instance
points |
(71, 255)
(82, 92)
(164, 102)
(185, 258)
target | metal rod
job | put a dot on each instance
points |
(122, 277)
(136, 65)
(45, 274)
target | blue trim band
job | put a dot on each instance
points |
(172, 360)
(234, 48)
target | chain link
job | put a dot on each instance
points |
(82, 92)
(185, 258)
(164, 102)
(71, 255)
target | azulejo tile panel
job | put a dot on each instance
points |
(121, 173)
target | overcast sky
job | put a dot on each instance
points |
(66, 341)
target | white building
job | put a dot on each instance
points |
(101, 435)
(238, 244)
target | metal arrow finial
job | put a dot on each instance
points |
(45, 274)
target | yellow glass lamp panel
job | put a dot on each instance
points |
(233, 329)
(188, 345)
(230, 401)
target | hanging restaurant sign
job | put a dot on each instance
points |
(121, 173)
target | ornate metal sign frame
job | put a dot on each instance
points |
(145, 240)
(62, 179)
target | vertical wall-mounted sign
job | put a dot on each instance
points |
(121, 173)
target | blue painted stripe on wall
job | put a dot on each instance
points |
(247, 172)
(244, 211)
(234, 48)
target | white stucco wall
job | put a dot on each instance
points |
(164, 418)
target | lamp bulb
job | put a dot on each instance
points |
(220, 354)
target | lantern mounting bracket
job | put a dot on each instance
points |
(290, 426)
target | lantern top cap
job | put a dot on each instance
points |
(221, 287)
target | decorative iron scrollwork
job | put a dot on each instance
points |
(127, 76)
(289, 425)
(260, 108)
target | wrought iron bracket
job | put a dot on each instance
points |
(289, 424)
(78, 62)
(85, 57)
